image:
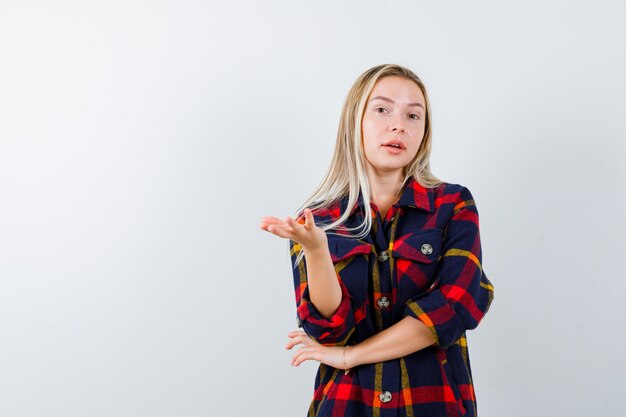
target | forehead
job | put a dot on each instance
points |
(398, 89)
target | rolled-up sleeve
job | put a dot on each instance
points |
(335, 330)
(461, 293)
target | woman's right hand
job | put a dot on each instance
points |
(307, 234)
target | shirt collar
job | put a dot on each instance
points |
(413, 195)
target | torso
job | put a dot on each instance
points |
(396, 271)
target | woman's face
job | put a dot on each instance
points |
(395, 113)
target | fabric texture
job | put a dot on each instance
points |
(423, 260)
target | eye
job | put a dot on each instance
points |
(417, 117)
(379, 108)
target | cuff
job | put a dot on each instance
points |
(435, 312)
(334, 330)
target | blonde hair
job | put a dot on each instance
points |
(346, 174)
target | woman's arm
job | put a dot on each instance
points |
(405, 337)
(321, 282)
(324, 289)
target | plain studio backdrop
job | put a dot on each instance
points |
(141, 142)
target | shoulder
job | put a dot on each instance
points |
(451, 188)
(454, 194)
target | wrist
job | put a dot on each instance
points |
(344, 351)
(350, 357)
(319, 250)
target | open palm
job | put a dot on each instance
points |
(306, 233)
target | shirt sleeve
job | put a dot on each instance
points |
(461, 293)
(335, 330)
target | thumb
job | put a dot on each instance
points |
(310, 221)
(301, 217)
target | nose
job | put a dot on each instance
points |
(397, 124)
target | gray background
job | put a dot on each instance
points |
(141, 142)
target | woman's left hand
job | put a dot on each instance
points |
(311, 349)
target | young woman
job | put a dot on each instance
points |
(386, 264)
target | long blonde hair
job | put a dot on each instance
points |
(346, 174)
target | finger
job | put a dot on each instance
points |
(299, 336)
(308, 354)
(269, 218)
(310, 222)
(297, 339)
(269, 221)
(298, 358)
(298, 229)
(292, 342)
(301, 218)
(303, 336)
(291, 222)
(266, 227)
(281, 231)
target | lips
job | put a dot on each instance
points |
(395, 143)
(399, 147)
(393, 149)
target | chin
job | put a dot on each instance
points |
(387, 168)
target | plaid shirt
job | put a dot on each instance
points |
(423, 260)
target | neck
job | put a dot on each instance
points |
(385, 188)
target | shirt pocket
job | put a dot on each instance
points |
(452, 392)
(351, 260)
(416, 258)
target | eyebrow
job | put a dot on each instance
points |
(391, 101)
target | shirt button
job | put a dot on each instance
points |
(427, 249)
(383, 302)
(383, 256)
(385, 396)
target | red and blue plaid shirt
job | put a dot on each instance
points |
(423, 260)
